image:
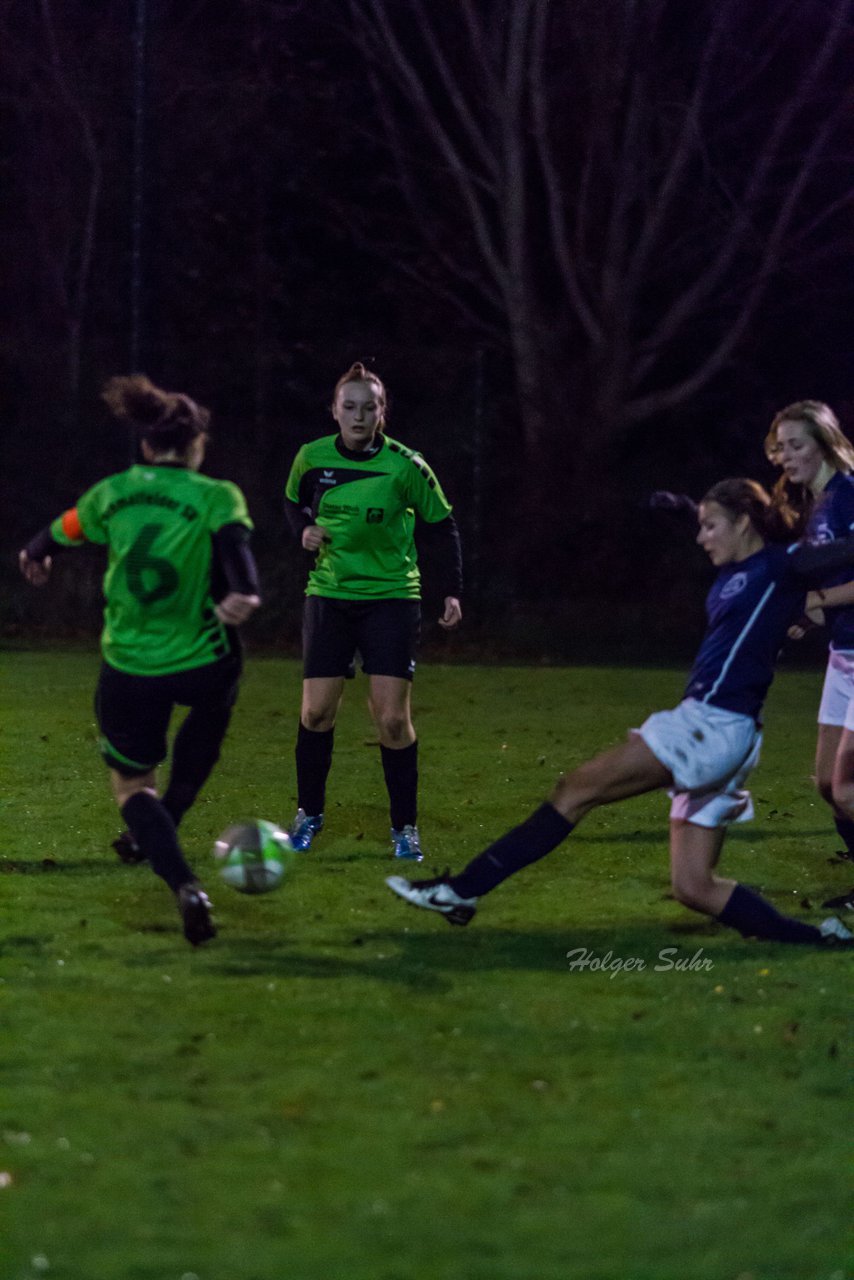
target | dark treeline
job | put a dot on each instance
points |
(591, 248)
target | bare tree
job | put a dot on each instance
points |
(59, 166)
(625, 181)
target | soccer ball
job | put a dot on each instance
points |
(255, 856)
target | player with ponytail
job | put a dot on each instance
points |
(700, 751)
(180, 579)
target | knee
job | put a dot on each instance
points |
(123, 788)
(394, 728)
(842, 796)
(318, 719)
(692, 891)
(576, 793)
(824, 787)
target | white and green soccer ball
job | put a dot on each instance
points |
(254, 857)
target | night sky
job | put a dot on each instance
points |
(591, 248)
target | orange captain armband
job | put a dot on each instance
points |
(71, 526)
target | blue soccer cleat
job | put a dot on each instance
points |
(304, 828)
(407, 843)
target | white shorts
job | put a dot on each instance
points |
(837, 696)
(709, 752)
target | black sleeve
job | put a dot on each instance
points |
(43, 544)
(442, 542)
(298, 518)
(235, 561)
(813, 559)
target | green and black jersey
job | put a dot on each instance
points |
(367, 503)
(157, 522)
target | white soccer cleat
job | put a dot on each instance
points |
(835, 933)
(434, 895)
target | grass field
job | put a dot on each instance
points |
(341, 1088)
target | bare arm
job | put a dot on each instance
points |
(831, 597)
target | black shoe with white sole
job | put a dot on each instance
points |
(128, 849)
(195, 908)
(845, 902)
(434, 895)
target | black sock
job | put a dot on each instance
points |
(154, 831)
(753, 917)
(194, 754)
(400, 766)
(314, 759)
(543, 831)
(845, 827)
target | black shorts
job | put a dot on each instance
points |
(385, 633)
(133, 712)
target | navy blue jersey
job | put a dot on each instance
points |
(750, 607)
(833, 518)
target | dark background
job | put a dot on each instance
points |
(590, 246)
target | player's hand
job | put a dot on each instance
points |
(808, 621)
(36, 572)
(664, 500)
(313, 537)
(236, 608)
(453, 614)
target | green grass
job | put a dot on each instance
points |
(341, 1087)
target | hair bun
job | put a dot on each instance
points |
(135, 399)
(168, 418)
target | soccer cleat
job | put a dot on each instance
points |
(407, 843)
(195, 908)
(835, 934)
(304, 828)
(128, 849)
(435, 895)
(844, 902)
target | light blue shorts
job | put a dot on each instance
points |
(710, 753)
(837, 696)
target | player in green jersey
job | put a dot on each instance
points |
(180, 578)
(353, 499)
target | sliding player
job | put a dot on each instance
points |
(702, 750)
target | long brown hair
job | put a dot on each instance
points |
(742, 497)
(167, 420)
(794, 502)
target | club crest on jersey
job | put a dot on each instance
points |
(374, 515)
(736, 584)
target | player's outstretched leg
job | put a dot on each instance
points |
(624, 771)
